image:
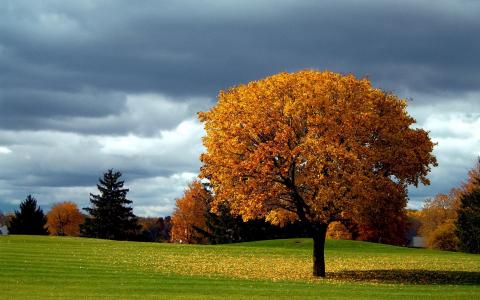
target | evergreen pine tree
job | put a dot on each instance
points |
(111, 216)
(29, 220)
(468, 222)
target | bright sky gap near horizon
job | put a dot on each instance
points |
(90, 85)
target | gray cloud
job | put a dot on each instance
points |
(56, 166)
(192, 48)
(48, 104)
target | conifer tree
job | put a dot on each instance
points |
(111, 216)
(29, 220)
(468, 222)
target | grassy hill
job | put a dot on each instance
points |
(45, 267)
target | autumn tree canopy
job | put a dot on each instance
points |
(313, 146)
(188, 218)
(64, 219)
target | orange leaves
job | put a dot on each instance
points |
(473, 181)
(326, 138)
(189, 215)
(64, 219)
(437, 221)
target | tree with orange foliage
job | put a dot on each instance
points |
(440, 215)
(437, 221)
(64, 219)
(473, 181)
(310, 146)
(437, 211)
(382, 220)
(188, 218)
(338, 231)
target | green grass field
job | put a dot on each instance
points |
(46, 267)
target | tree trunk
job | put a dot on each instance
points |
(319, 232)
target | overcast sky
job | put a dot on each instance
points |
(91, 85)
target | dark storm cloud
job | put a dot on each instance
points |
(197, 48)
(44, 103)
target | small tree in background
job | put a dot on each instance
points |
(437, 218)
(111, 216)
(155, 229)
(29, 220)
(468, 222)
(337, 231)
(3, 219)
(188, 218)
(64, 219)
(444, 237)
(381, 220)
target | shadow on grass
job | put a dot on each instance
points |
(409, 276)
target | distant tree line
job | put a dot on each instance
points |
(110, 216)
(194, 222)
(452, 221)
(447, 222)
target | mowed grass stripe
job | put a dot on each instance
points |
(145, 255)
(190, 288)
(72, 267)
